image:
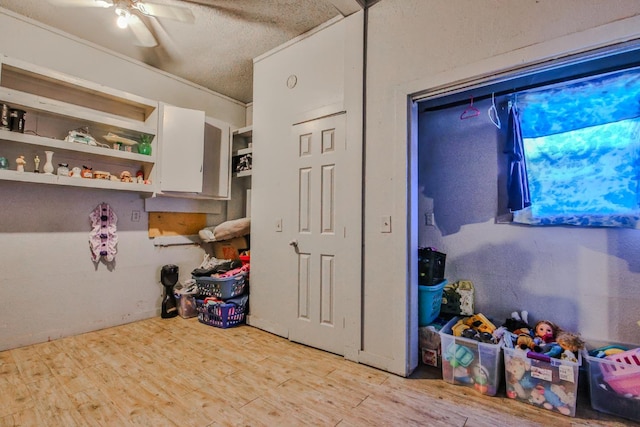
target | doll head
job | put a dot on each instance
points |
(546, 330)
(569, 341)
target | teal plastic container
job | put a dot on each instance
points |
(429, 302)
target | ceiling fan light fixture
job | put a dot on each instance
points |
(142, 8)
(123, 17)
(104, 3)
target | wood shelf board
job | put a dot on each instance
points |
(245, 132)
(31, 78)
(61, 145)
(244, 151)
(41, 178)
(35, 104)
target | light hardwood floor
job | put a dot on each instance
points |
(166, 372)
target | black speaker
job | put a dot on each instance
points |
(169, 277)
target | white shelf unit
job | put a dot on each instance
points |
(56, 103)
(242, 145)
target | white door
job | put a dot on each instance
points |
(326, 242)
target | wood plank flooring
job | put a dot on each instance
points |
(179, 372)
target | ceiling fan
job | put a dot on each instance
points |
(129, 13)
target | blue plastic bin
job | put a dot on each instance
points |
(429, 302)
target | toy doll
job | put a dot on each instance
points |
(571, 344)
(545, 332)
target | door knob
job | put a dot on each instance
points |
(294, 243)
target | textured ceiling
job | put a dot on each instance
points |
(216, 51)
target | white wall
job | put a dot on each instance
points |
(49, 287)
(417, 45)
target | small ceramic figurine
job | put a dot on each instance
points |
(63, 169)
(125, 176)
(75, 172)
(87, 172)
(20, 162)
(36, 161)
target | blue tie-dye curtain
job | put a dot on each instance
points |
(581, 143)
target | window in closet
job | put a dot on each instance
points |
(581, 145)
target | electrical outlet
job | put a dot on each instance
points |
(135, 216)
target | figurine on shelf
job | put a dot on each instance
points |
(36, 161)
(125, 176)
(140, 177)
(87, 172)
(20, 162)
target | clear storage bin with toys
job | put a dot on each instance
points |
(541, 364)
(614, 379)
(471, 353)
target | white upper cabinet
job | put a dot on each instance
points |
(55, 104)
(195, 154)
(182, 142)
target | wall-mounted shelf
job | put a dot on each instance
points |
(242, 158)
(54, 104)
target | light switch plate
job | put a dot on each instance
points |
(279, 224)
(385, 224)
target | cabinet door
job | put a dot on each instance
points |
(217, 159)
(182, 141)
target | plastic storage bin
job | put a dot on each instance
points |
(185, 295)
(614, 383)
(549, 384)
(470, 363)
(186, 305)
(222, 287)
(429, 302)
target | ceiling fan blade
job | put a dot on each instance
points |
(178, 13)
(142, 34)
(75, 3)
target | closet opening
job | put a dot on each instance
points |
(459, 173)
